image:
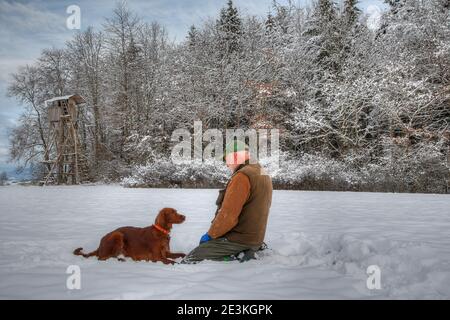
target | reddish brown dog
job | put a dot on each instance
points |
(149, 243)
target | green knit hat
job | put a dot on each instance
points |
(235, 146)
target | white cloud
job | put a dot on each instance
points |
(25, 29)
(19, 17)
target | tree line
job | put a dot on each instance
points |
(367, 108)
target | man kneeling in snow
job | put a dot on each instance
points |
(243, 209)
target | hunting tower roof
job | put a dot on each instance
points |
(76, 97)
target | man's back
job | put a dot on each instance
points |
(252, 220)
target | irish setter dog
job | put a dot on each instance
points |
(149, 243)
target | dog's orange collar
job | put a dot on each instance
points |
(161, 229)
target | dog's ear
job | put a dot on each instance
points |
(161, 218)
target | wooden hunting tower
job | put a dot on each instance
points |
(65, 160)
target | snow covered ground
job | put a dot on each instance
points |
(321, 245)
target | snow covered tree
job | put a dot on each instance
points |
(229, 27)
(121, 31)
(54, 71)
(351, 13)
(192, 36)
(324, 36)
(370, 104)
(269, 23)
(3, 178)
(86, 55)
(29, 139)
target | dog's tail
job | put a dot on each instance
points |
(79, 252)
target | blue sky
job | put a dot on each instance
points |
(27, 27)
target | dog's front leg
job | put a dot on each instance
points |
(167, 261)
(164, 255)
(175, 255)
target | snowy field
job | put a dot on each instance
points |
(321, 245)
